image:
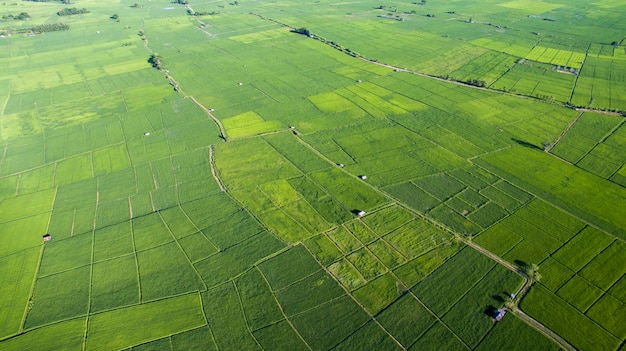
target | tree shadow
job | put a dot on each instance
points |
(498, 298)
(490, 311)
(526, 144)
(520, 263)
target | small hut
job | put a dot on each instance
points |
(47, 237)
(499, 314)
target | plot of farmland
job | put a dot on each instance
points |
(202, 176)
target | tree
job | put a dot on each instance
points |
(302, 31)
(114, 16)
(532, 271)
(155, 60)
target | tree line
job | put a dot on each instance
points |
(71, 11)
(23, 16)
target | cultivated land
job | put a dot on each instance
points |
(211, 180)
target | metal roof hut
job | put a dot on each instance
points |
(499, 314)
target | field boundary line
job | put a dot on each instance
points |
(93, 253)
(6, 102)
(280, 307)
(565, 131)
(32, 290)
(213, 171)
(198, 229)
(180, 247)
(349, 294)
(549, 333)
(132, 236)
(215, 119)
(579, 72)
(243, 312)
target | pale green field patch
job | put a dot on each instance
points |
(248, 124)
(126, 327)
(531, 6)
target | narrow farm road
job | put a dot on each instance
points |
(569, 126)
(544, 330)
(213, 172)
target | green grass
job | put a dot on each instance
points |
(19, 272)
(288, 267)
(580, 331)
(413, 196)
(438, 336)
(236, 259)
(512, 333)
(125, 327)
(498, 239)
(446, 285)
(416, 238)
(259, 304)
(280, 336)
(468, 317)
(379, 293)
(314, 290)
(323, 249)
(138, 221)
(387, 219)
(368, 337)
(66, 254)
(48, 302)
(68, 335)
(199, 338)
(582, 248)
(547, 185)
(607, 312)
(580, 293)
(164, 271)
(335, 320)
(417, 269)
(406, 319)
(605, 268)
(229, 328)
(114, 284)
(386, 253)
(554, 274)
(112, 241)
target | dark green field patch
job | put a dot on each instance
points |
(413, 196)
(579, 292)
(406, 319)
(303, 295)
(440, 186)
(582, 248)
(452, 280)
(289, 267)
(336, 321)
(579, 330)
(259, 304)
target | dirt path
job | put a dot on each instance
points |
(213, 172)
(217, 121)
(544, 330)
(569, 126)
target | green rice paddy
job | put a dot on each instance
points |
(384, 183)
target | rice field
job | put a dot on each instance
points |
(259, 189)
